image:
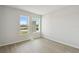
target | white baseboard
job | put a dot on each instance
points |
(9, 43)
(54, 39)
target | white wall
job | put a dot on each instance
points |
(62, 26)
(9, 25)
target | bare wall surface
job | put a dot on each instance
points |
(62, 26)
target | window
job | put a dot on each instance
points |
(23, 24)
(36, 23)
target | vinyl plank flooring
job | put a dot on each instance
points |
(40, 45)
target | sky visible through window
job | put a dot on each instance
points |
(23, 20)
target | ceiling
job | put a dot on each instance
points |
(38, 9)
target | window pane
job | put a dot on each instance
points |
(23, 20)
(24, 25)
(36, 23)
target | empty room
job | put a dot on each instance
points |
(39, 28)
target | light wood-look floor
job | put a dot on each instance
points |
(40, 45)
